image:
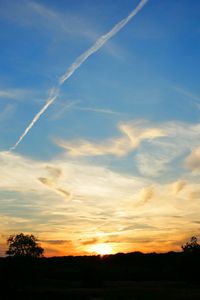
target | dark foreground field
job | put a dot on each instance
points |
(120, 290)
(133, 276)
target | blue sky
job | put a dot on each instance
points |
(120, 143)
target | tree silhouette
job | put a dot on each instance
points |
(192, 246)
(24, 246)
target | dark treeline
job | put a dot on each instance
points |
(21, 275)
(177, 266)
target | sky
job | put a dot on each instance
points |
(107, 159)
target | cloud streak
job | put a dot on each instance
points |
(52, 184)
(193, 160)
(17, 94)
(98, 110)
(58, 114)
(77, 64)
(133, 133)
(117, 207)
(7, 112)
(164, 153)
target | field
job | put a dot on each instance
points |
(115, 291)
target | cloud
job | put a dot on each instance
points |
(51, 184)
(178, 186)
(56, 242)
(67, 23)
(58, 247)
(18, 173)
(147, 194)
(159, 146)
(133, 133)
(84, 148)
(24, 175)
(54, 93)
(193, 160)
(98, 110)
(7, 112)
(57, 25)
(8, 94)
(126, 210)
(63, 107)
(90, 241)
(158, 156)
(44, 18)
(54, 172)
(16, 94)
(188, 94)
(194, 195)
(59, 111)
(62, 24)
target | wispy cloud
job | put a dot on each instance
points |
(98, 110)
(51, 183)
(193, 160)
(133, 133)
(178, 186)
(189, 95)
(58, 174)
(74, 105)
(105, 206)
(63, 107)
(7, 112)
(57, 242)
(77, 63)
(146, 195)
(159, 146)
(55, 24)
(90, 241)
(44, 18)
(68, 23)
(158, 156)
(16, 94)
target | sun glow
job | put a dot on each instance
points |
(101, 249)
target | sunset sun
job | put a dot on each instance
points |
(101, 249)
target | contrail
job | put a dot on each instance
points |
(100, 42)
(77, 63)
(52, 97)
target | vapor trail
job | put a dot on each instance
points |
(100, 42)
(77, 63)
(52, 97)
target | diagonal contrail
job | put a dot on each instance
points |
(52, 97)
(100, 42)
(77, 63)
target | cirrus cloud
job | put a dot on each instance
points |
(193, 160)
(104, 204)
(132, 134)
